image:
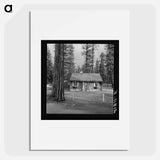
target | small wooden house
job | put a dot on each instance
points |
(85, 82)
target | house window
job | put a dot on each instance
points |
(74, 84)
(95, 85)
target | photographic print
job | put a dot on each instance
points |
(80, 79)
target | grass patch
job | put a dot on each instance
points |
(82, 103)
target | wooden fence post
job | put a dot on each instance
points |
(103, 97)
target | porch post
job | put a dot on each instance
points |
(101, 86)
(82, 86)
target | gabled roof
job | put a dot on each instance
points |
(86, 77)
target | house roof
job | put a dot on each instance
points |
(86, 77)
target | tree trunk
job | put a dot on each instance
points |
(55, 70)
(58, 81)
(60, 86)
(92, 58)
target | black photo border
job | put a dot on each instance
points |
(45, 116)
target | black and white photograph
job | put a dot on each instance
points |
(79, 79)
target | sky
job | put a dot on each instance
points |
(78, 58)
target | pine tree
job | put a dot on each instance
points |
(68, 61)
(58, 82)
(110, 63)
(49, 67)
(88, 53)
(97, 67)
(92, 57)
(78, 69)
(102, 66)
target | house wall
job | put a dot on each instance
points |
(84, 86)
(75, 87)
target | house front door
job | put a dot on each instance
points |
(81, 86)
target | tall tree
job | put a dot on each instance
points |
(110, 63)
(78, 69)
(102, 66)
(93, 46)
(68, 61)
(83, 68)
(49, 67)
(88, 53)
(97, 67)
(58, 81)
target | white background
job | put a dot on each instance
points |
(144, 90)
(79, 25)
